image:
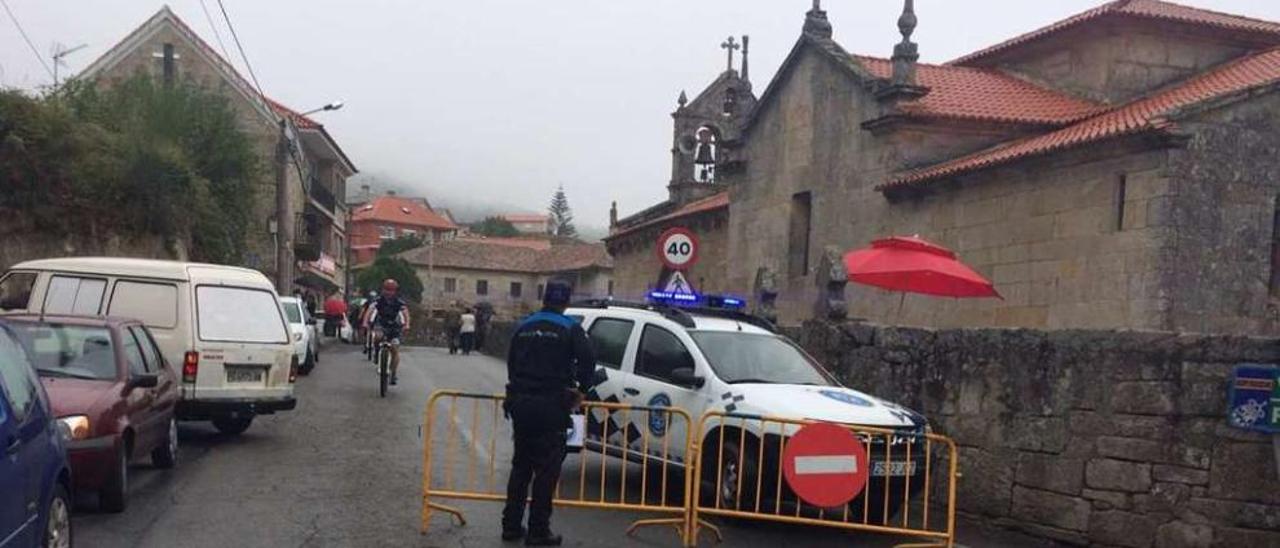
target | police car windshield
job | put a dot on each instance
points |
(755, 358)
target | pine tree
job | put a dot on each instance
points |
(562, 215)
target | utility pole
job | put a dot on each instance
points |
(284, 217)
(431, 273)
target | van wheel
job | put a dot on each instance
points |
(232, 426)
(114, 495)
(57, 527)
(166, 456)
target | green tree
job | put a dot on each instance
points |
(395, 268)
(495, 227)
(561, 215)
(391, 248)
(134, 158)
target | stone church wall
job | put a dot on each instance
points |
(1114, 62)
(1047, 232)
(1087, 437)
(636, 265)
(1225, 183)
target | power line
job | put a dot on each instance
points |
(297, 162)
(240, 47)
(34, 51)
(217, 35)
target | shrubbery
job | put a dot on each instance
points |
(136, 157)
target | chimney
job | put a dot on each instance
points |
(906, 53)
(816, 23)
(366, 192)
(613, 215)
(746, 68)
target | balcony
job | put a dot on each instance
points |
(322, 195)
(307, 232)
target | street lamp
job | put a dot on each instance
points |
(331, 106)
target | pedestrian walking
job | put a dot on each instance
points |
(453, 326)
(467, 331)
(335, 311)
(549, 368)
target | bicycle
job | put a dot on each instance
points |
(384, 366)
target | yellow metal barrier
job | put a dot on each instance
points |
(905, 470)
(472, 473)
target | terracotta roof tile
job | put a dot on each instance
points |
(541, 244)
(710, 203)
(480, 255)
(526, 217)
(1145, 114)
(1151, 9)
(299, 120)
(405, 211)
(984, 94)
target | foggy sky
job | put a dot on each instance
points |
(499, 101)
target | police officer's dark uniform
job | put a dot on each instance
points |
(549, 366)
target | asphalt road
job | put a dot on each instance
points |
(345, 469)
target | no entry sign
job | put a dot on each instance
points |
(678, 248)
(825, 464)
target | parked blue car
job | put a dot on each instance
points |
(35, 478)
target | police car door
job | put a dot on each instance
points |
(659, 353)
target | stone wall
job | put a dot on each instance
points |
(1086, 437)
(20, 241)
(1114, 61)
(1223, 194)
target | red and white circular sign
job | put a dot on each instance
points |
(678, 248)
(825, 464)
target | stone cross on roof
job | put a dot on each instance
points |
(730, 44)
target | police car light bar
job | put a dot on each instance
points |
(692, 299)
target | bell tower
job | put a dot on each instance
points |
(707, 128)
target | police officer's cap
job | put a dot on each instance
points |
(557, 293)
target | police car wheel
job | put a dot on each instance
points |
(732, 481)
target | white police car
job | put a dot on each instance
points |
(716, 358)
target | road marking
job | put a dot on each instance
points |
(835, 464)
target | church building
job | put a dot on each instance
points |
(1116, 169)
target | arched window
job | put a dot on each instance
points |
(706, 154)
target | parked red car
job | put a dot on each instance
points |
(108, 382)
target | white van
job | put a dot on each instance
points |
(223, 325)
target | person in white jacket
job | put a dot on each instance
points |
(467, 331)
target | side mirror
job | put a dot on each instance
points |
(144, 381)
(600, 376)
(311, 320)
(684, 376)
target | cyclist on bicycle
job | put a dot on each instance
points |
(391, 316)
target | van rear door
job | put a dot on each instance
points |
(244, 344)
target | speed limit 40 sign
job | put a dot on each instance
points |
(678, 248)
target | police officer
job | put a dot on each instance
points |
(549, 367)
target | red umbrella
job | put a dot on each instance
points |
(912, 265)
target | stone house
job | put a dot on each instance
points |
(510, 275)
(167, 49)
(1116, 169)
(389, 217)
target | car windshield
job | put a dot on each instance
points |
(293, 312)
(756, 358)
(69, 350)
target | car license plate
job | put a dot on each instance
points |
(895, 469)
(244, 374)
